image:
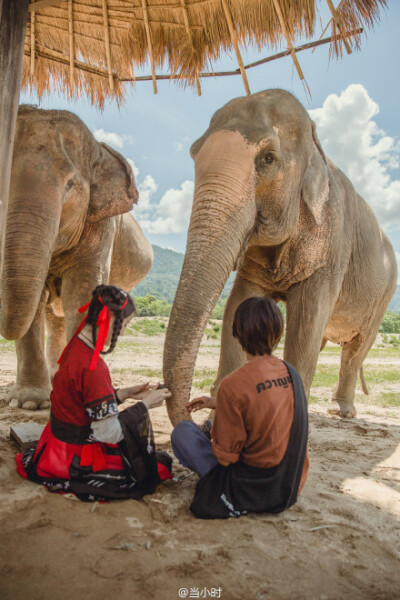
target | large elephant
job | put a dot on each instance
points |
(270, 205)
(66, 232)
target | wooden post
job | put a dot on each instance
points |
(189, 34)
(336, 19)
(13, 21)
(33, 33)
(71, 43)
(46, 3)
(288, 39)
(107, 43)
(149, 44)
(228, 17)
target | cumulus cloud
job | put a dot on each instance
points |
(352, 139)
(109, 137)
(134, 167)
(112, 139)
(172, 214)
(147, 189)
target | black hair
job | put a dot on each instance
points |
(258, 325)
(114, 298)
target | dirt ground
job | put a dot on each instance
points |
(341, 539)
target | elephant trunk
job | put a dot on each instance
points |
(221, 219)
(29, 239)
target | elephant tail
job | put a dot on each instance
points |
(363, 384)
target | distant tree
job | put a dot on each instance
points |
(150, 306)
(390, 323)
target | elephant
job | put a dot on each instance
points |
(68, 229)
(269, 204)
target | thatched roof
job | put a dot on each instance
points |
(93, 47)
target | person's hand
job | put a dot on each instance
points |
(155, 397)
(142, 391)
(200, 403)
(132, 392)
(136, 390)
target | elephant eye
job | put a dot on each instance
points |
(69, 184)
(268, 158)
(264, 160)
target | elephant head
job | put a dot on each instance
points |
(259, 169)
(61, 179)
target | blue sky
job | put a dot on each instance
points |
(355, 103)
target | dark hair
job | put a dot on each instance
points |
(114, 298)
(258, 325)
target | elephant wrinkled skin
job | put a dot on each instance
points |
(268, 203)
(66, 232)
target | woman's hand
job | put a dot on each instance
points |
(200, 403)
(155, 397)
(135, 391)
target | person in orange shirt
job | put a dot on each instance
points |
(256, 460)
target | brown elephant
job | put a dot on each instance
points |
(270, 205)
(66, 232)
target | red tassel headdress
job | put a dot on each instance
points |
(103, 323)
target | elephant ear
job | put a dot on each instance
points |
(315, 185)
(113, 190)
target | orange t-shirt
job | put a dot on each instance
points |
(254, 415)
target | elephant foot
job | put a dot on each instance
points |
(30, 398)
(346, 410)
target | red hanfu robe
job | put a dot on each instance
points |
(68, 458)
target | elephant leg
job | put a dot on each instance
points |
(32, 388)
(309, 306)
(56, 339)
(351, 360)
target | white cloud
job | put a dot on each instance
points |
(353, 140)
(147, 189)
(178, 146)
(134, 167)
(109, 137)
(172, 215)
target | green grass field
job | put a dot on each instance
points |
(381, 368)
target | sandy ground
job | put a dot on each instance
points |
(341, 539)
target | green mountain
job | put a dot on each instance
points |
(163, 278)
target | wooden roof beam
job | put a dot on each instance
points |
(107, 44)
(52, 55)
(336, 19)
(234, 39)
(149, 44)
(55, 56)
(71, 42)
(33, 42)
(44, 3)
(189, 34)
(288, 40)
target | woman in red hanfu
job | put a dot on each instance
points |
(88, 447)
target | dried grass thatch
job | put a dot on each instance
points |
(93, 47)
